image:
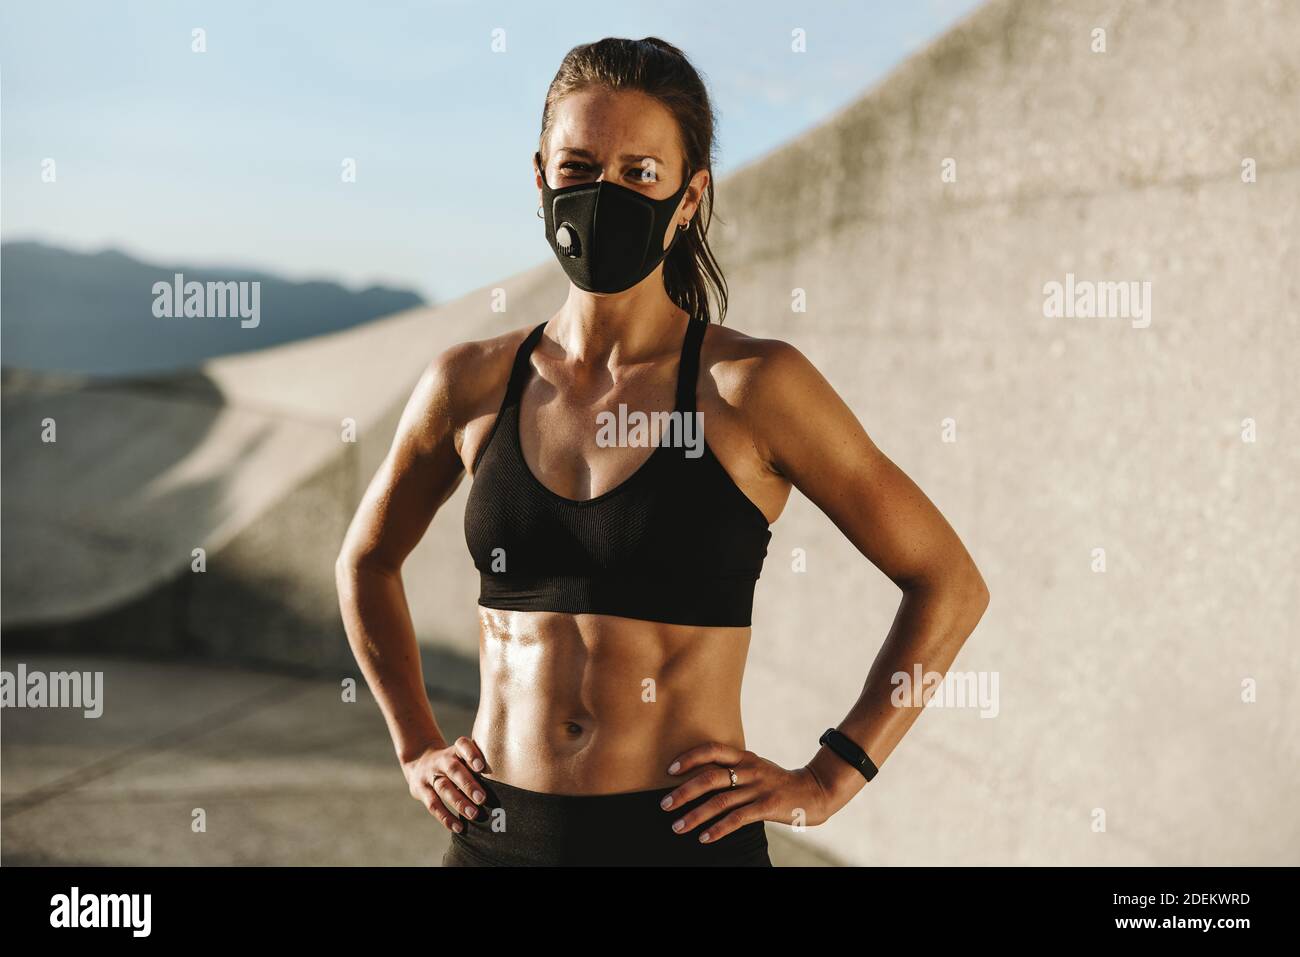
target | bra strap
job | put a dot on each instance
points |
(522, 367)
(688, 368)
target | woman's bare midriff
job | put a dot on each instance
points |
(594, 704)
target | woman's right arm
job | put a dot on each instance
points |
(420, 472)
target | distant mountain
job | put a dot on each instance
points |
(97, 313)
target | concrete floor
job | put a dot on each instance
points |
(284, 770)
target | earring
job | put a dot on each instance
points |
(683, 225)
(539, 211)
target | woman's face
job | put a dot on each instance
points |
(622, 137)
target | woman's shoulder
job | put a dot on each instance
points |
(480, 362)
(471, 376)
(746, 367)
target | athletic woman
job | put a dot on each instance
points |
(627, 457)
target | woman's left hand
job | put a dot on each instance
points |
(764, 791)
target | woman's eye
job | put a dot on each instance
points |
(575, 170)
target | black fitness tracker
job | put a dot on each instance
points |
(842, 745)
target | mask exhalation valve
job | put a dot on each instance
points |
(566, 238)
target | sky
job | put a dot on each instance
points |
(234, 156)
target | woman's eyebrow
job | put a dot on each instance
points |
(626, 157)
(640, 158)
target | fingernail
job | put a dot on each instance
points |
(672, 768)
(678, 825)
(704, 838)
(470, 812)
(478, 765)
(458, 827)
(478, 796)
(667, 802)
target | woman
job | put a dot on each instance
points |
(616, 582)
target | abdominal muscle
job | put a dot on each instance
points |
(595, 704)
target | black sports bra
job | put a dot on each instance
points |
(676, 542)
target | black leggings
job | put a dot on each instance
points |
(519, 828)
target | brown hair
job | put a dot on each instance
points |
(659, 69)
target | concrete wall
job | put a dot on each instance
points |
(1120, 690)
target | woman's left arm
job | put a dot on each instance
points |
(805, 432)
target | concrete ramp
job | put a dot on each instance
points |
(246, 459)
(1122, 732)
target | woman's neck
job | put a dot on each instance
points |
(622, 330)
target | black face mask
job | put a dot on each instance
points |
(607, 237)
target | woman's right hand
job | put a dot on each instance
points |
(440, 778)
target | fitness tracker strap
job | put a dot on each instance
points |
(842, 745)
